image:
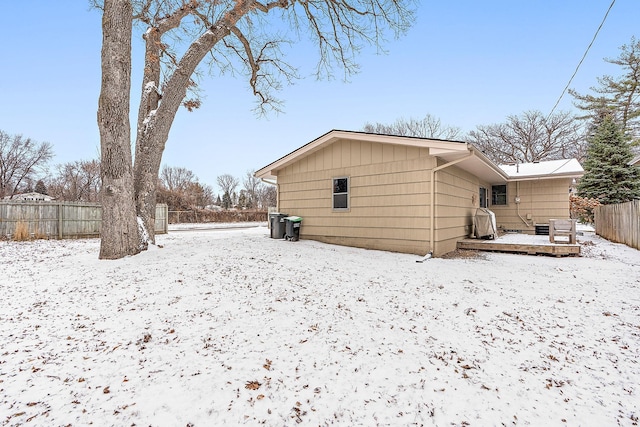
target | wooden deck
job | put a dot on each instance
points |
(522, 243)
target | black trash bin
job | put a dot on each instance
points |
(277, 224)
(292, 228)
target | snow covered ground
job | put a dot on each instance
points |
(230, 327)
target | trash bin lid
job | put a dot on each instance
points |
(294, 218)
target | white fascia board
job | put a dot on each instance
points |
(565, 168)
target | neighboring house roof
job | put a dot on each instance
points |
(635, 161)
(33, 196)
(466, 156)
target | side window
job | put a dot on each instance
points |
(341, 193)
(498, 194)
(483, 197)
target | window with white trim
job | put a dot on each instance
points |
(340, 193)
(499, 194)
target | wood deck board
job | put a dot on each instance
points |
(561, 249)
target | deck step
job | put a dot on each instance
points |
(562, 249)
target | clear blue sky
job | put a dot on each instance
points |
(466, 62)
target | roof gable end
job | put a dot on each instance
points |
(436, 147)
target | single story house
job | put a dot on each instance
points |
(29, 197)
(411, 195)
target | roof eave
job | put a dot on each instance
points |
(435, 146)
(572, 175)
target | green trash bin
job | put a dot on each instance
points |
(277, 224)
(292, 228)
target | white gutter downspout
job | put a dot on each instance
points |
(518, 204)
(432, 207)
(269, 181)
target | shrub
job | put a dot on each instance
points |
(202, 215)
(582, 208)
(22, 232)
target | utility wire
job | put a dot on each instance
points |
(583, 57)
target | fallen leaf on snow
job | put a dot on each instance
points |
(252, 385)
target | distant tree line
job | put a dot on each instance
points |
(181, 190)
(25, 168)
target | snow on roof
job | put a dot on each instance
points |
(635, 161)
(563, 167)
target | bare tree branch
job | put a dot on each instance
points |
(531, 137)
(427, 127)
(20, 160)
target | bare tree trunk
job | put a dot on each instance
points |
(144, 179)
(153, 128)
(119, 233)
(147, 167)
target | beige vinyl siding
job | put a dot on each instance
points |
(388, 195)
(541, 199)
(456, 203)
(389, 192)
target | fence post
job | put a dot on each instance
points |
(60, 222)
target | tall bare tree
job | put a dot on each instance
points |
(21, 159)
(201, 195)
(531, 137)
(179, 188)
(427, 127)
(251, 187)
(77, 181)
(267, 196)
(177, 178)
(246, 37)
(119, 234)
(228, 183)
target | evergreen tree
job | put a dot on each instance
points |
(618, 95)
(41, 188)
(226, 200)
(242, 200)
(608, 176)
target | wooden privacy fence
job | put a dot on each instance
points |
(619, 223)
(62, 220)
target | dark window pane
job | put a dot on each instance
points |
(340, 201)
(483, 197)
(340, 185)
(499, 195)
